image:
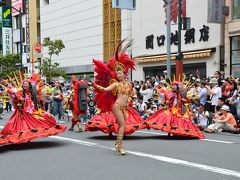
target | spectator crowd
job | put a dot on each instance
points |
(214, 101)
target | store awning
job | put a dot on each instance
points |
(187, 56)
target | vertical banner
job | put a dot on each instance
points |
(7, 40)
(27, 31)
(6, 30)
(17, 4)
(215, 11)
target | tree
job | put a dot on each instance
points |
(8, 64)
(47, 68)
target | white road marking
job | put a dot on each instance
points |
(189, 164)
(204, 167)
(211, 140)
(149, 132)
(76, 141)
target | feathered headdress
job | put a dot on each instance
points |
(105, 73)
(121, 60)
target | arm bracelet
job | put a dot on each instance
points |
(99, 87)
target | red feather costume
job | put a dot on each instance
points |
(105, 75)
(172, 120)
(28, 121)
(74, 101)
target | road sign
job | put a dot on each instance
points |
(124, 4)
(37, 47)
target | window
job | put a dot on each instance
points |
(18, 22)
(18, 47)
(46, 2)
(236, 9)
(235, 56)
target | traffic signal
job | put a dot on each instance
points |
(179, 56)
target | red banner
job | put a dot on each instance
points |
(18, 4)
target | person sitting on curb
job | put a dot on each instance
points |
(225, 122)
(217, 112)
(201, 117)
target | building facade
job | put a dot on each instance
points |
(232, 39)
(34, 33)
(29, 20)
(89, 29)
(92, 29)
(79, 24)
(200, 44)
(19, 22)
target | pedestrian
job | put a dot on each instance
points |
(57, 95)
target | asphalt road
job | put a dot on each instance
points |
(152, 155)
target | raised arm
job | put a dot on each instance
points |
(109, 88)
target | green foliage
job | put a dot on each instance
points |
(47, 68)
(54, 47)
(8, 64)
(51, 70)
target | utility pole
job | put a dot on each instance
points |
(168, 12)
(21, 52)
(179, 56)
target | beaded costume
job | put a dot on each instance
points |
(172, 119)
(105, 76)
(28, 121)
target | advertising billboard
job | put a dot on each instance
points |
(6, 19)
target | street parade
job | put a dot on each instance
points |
(122, 89)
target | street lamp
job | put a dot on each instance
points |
(4, 3)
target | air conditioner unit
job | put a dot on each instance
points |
(124, 4)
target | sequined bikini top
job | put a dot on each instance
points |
(124, 87)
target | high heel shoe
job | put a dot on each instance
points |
(120, 151)
(119, 147)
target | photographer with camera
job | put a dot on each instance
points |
(146, 91)
(201, 117)
(215, 92)
(202, 93)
